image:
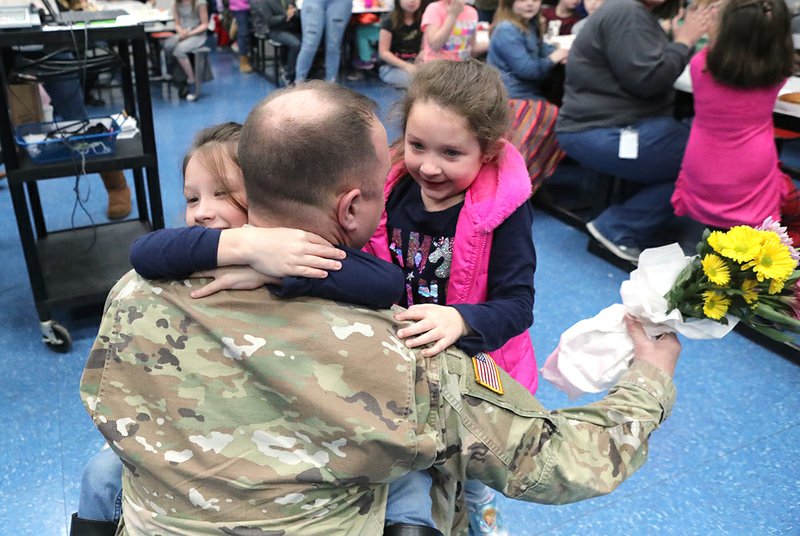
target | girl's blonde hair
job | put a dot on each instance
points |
(505, 12)
(217, 149)
(471, 89)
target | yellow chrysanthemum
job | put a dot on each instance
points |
(716, 269)
(715, 240)
(750, 292)
(773, 261)
(716, 304)
(740, 243)
(776, 285)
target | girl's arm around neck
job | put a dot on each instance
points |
(363, 280)
(175, 253)
(279, 251)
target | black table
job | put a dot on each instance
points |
(76, 267)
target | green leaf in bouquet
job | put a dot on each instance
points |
(768, 312)
(774, 334)
(702, 246)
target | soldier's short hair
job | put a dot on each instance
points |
(292, 157)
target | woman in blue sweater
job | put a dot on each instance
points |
(524, 61)
(517, 49)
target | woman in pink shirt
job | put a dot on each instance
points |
(730, 174)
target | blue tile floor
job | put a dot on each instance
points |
(725, 463)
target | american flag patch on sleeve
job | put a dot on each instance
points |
(487, 373)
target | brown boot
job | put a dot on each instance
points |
(119, 195)
(244, 65)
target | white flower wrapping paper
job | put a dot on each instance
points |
(594, 353)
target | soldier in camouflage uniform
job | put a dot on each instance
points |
(244, 414)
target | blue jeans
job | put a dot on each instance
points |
(394, 76)
(101, 488)
(409, 500)
(242, 30)
(662, 141)
(477, 493)
(317, 17)
(292, 43)
(66, 93)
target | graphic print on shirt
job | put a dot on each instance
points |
(426, 261)
(459, 40)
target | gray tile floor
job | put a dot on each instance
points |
(726, 462)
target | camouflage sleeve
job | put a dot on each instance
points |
(513, 444)
(93, 371)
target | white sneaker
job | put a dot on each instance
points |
(191, 97)
(628, 253)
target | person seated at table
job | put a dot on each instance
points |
(191, 23)
(559, 19)
(617, 113)
(280, 20)
(730, 174)
(516, 49)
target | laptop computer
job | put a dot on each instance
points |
(73, 17)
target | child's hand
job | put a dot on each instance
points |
(455, 7)
(279, 252)
(434, 324)
(559, 55)
(232, 278)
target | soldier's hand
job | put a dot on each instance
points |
(232, 278)
(435, 324)
(662, 351)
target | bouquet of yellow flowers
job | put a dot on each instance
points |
(745, 274)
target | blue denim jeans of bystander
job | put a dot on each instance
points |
(661, 144)
(317, 17)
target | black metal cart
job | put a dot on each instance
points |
(64, 271)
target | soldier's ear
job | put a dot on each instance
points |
(348, 210)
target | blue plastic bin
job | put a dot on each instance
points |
(69, 144)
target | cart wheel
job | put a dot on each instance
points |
(56, 336)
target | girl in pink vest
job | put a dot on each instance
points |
(458, 223)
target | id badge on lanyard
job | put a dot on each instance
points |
(628, 143)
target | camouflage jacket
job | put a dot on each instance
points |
(245, 414)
